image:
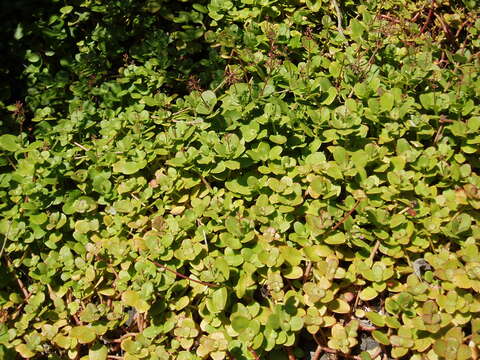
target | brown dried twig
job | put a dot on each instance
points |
(140, 322)
(339, 16)
(306, 275)
(374, 251)
(439, 134)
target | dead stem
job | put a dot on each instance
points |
(339, 16)
(306, 275)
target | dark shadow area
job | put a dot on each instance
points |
(17, 18)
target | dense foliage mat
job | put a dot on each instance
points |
(240, 179)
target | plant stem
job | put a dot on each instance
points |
(184, 276)
(339, 16)
(347, 215)
(5, 238)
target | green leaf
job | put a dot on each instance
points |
(9, 143)
(317, 252)
(318, 185)
(83, 334)
(336, 239)
(207, 103)
(381, 337)
(365, 356)
(240, 323)
(32, 57)
(250, 131)
(278, 139)
(361, 90)
(25, 351)
(18, 32)
(233, 226)
(128, 167)
(368, 293)
(273, 321)
(98, 352)
(473, 124)
(334, 68)
(339, 306)
(222, 266)
(218, 300)
(332, 92)
(427, 100)
(84, 204)
(392, 322)
(314, 5)
(291, 255)
(376, 318)
(357, 28)
(66, 9)
(38, 219)
(132, 298)
(296, 323)
(401, 341)
(238, 185)
(386, 101)
(101, 184)
(131, 347)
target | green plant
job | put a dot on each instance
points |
(215, 179)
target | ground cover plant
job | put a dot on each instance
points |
(240, 179)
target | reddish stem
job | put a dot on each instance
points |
(347, 215)
(124, 336)
(317, 353)
(429, 18)
(291, 356)
(389, 18)
(184, 276)
(254, 353)
(366, 327)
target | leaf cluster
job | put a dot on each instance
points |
(234, 178)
